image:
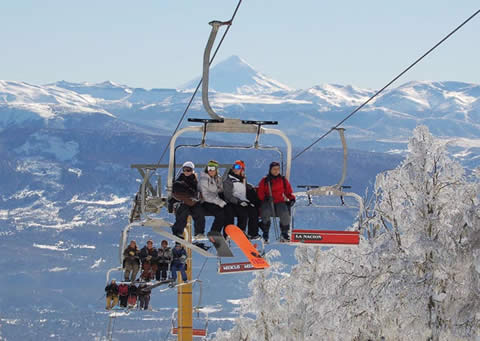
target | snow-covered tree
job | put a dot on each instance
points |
(416, 275)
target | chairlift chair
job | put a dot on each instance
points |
(199, 332)
(327, 237)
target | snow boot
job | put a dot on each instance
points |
(265, 227)
(284, 229)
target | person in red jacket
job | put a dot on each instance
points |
(275, 193)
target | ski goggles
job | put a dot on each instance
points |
(187, 169)
(237, 166)
(212, 165)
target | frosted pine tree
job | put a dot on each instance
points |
(416, 275)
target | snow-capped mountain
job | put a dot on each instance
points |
(234, 75)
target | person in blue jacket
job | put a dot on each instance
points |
(178, 263)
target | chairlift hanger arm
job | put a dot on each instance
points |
(206, 65)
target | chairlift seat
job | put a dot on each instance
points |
(260, 123)
(206, 120)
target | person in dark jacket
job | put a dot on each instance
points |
(131, 261)
(178, 262)
(144, 292)
(276, 195)
(211, 187)
(149, 256)
(123, 294)
(235, 189)
(132, 295)
(163, 261)
(185, 191)
(111, 291)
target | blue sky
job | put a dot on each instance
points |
(160, 43)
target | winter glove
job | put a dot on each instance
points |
(291, 203)
(149, 257)
(131, 253)
(183, 258)
(243, 203)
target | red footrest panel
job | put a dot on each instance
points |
(195, 332)
(236, 267)
(325, 237)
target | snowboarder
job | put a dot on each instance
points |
(131, 261)
(163, 261)
(144, 292)
(178, 263)
(238, 204)
(185, 191)
(276, 195)
(112, 294)
(211, 188)
(148, 256)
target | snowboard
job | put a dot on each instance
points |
(220, 244)
(246, 246)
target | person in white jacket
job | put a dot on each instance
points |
(211, 186)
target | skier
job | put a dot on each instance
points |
(144, 292)
(112, 294)
(276, 195)
(148, 256)
(211, 187)
(163, 261)
(235, 189)
(123, 293)
(185, 191)
(178, 263)
(131, 261)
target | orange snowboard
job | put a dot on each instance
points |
(247, 248)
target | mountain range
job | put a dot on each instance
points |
(450, 109)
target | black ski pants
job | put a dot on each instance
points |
(161, 271)
(248, 213)
(219, 214)
(232, 211)
(144, 301)
(182, 214)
